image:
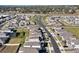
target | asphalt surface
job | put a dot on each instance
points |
(55, 46)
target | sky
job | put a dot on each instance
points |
(39, 2)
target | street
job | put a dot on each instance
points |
(55, 46)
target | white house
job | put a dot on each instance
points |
(22, 23)
(76, 21)
(3, 38)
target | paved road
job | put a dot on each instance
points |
(55, 46)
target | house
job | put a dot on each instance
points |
(9, 32)
(13, 23)
(3, 38)
(22, 23)
(76, 21)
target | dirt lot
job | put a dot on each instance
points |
(9, 49)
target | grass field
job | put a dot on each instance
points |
(59, 38)
(23, 34)
(73, 30)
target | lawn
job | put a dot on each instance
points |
(73, 30)
(21, 35)
(59, 38)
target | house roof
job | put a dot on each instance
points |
(3, 35)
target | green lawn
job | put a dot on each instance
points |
(59, 38)
(74, 31)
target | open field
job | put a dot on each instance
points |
(23, 34)
(9, 49)
(74, 31)
(20, 39)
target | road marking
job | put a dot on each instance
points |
(11, 44)
(20, 51)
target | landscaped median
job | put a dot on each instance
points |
(16, 42)
(56, 33)
(57, 38)
(49, 47)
